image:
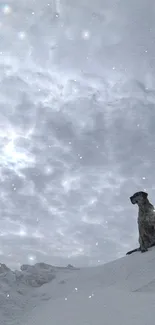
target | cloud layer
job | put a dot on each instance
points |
(77, 128)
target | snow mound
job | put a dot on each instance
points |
(121, 292)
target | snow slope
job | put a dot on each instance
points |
(121, 292)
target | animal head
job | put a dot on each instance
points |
(139, 198)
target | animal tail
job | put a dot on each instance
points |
(138, 249)
(133, 251)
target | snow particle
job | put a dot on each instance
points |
(86, 34)
(22, 233)
(48, 170)
(143, 177)
(14, 188)
(8, 295)
(66, 299)
(92, 295)
(97, 244)
(21, 35)
(76, 289)
(31, 258)
(6, 9)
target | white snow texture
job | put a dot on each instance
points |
(120, 292)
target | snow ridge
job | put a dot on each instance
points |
(18, 289)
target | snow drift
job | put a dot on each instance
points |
(121, 292)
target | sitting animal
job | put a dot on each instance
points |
(146, 221)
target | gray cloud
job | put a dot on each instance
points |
(77, 128)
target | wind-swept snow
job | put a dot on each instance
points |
(121, 292)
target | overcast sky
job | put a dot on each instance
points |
(77, 127)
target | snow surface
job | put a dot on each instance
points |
(120, 292)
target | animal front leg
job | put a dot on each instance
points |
(143, 249)
(143, 245)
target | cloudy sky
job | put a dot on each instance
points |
(77, 134)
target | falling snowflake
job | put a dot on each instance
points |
(31, 258)
(22, 233)
(22, 35)
(7, 9)
(85, 34)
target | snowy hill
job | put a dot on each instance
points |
(121, 292)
